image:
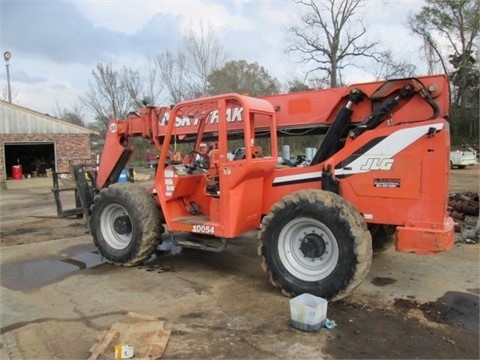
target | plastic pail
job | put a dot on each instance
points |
(308, 312)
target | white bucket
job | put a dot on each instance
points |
(308, 312)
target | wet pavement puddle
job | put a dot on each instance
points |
(453, 308)
(383, 281)
(31, 274)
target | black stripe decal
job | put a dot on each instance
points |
(299, 181)
(359, 152)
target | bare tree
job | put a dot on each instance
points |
(185, 74)
(204, 53)
(153, 86)
(326, 36)
(133, 84)
(431, 54)
(457, 24)
(430, 48)
(450, 30)
(390, 69)
(112, 93)
(74, 114)
(173, 74)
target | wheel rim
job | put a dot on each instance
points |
(116, 226)
(308, 249)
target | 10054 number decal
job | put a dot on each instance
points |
(203, 229)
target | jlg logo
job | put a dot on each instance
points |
(377, 164)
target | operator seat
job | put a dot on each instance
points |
(213, 187)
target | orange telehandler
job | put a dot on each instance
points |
(380, 171)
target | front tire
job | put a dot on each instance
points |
(125, 224)
(313, 241)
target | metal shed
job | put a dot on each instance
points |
(35, 144)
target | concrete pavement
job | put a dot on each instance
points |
(58, 296)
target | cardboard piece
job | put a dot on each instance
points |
(145, 333)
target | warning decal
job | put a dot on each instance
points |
(386, 183)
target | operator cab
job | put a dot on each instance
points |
(213, 192)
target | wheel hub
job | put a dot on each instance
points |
(122, 225)
(308, 249)
(312, 246)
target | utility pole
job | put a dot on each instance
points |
(7, 55)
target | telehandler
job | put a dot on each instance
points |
(381, 171)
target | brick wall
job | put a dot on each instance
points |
(67, 147)
(71, 147)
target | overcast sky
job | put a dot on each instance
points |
(55, 45)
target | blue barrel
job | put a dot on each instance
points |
(123, 178)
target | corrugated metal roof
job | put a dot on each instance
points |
(16, 119)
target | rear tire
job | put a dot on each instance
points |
(125, 224)
(314, 241)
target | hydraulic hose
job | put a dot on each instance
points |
(382, 112)
(333, 138)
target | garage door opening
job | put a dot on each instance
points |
(35, 158)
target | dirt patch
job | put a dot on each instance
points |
(42, 230)
(367, 332)
(454, 309)
(29, 215)
(463, 180)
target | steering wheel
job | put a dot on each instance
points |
(199, 160)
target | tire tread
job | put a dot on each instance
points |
(358, 229)
(146, 213)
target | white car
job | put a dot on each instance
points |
(462, 159)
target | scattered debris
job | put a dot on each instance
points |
(123, 351)
(144, 333)
(159, 268)
(461, 204)
(330, 324)
(463, 208)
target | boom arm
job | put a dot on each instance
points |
(118, 150)
(319, 109)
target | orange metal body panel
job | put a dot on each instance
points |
(113, 149)
(146, 125)
(425, 241)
